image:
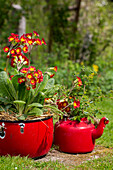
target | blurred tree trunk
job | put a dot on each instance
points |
(48, 8)
(72, 55)
(77, 12)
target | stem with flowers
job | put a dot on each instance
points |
(27, 83)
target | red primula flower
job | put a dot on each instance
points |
(34, 86)
(43, 41)
(18, 50)
(11, 76)
(29, 76)
(79, 81)
(39, 72)
(28, 35)
(33, 81)
(52, 75)
(12, 51)
(32, 68)
(6, 49)
(13, 62)
(14, 35)
(67, 109)
(35, 33)
(21, 80)
(17, 39)
(76, 104)
(58, 101)
(64, 104)
(24, 70)
(14, 55)
(29, 41)
(28, 88)
(55, 68)
(8, 56)
(23, 39)
(25, 49)
(60, 105)
(38, 41)
(36, 74)
(40, 79)
(70, 97)
(10, 38)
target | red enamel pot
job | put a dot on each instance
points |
(31, 138)
(77, 137)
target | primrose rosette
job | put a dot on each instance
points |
(24, 89)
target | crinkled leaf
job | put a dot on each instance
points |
(35, 111)
(35, 105)
(50, 83)
(19, 102)
(6, 87)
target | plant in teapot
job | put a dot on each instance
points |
(75, 102)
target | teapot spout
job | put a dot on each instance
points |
(97, 133)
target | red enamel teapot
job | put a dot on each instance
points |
(77, 137)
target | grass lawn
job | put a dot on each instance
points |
(105, 162)
(107, 108)
(19, 163)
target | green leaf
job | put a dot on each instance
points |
(35, 111)
(6, 87)
(42, 84)
(55, 109)
(20, 88)
(4, 100)
(35, 105)
(21, 117)
(19, 102)
(50, 83)
(15, 81)
(2, 109)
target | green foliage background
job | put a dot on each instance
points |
(90, 44)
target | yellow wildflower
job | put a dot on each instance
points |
(95, 68)
(91, 75)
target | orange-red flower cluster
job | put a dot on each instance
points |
(21, 45)
(63, 106)
(76, 104)
(79, 81)
(66, 105)
(31, 77)
(19, 59)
